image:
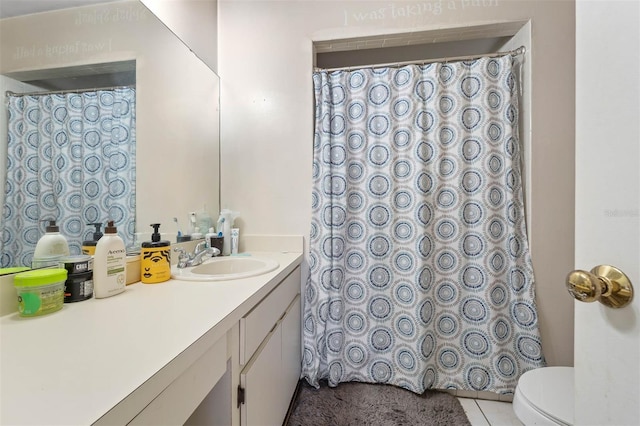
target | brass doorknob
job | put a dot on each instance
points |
(606, 284)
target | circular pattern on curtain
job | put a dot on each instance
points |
(71, 159)
(418, 233)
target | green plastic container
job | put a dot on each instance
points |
(13, 270)
(40, 292)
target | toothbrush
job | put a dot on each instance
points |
(175, 219)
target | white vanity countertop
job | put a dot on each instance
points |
(71, 367)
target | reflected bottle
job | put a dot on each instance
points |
(89, 246)
(50, 247)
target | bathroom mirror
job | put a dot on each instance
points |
(177, 98)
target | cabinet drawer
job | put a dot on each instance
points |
(175, 404)
(255, 326)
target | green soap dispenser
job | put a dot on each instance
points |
(155, 258)
(89, 246)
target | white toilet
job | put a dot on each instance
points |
(544, 396)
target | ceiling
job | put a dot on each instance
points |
(11, 8)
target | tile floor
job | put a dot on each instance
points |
(489, 413)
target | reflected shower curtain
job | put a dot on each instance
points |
(71, 158)
(420, 274)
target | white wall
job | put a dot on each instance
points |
(265, 57)
(191, 21)
(607, 341)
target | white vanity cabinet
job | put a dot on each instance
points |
(161, 354)
(270, 355)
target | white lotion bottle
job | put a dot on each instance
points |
(52, 243)
(197, 235)
(109, 264)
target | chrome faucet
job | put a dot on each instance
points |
(201, 251)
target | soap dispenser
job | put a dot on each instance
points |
(89, 246)
(109, 264)
(50, 247)
(155, 258)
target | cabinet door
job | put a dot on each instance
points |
(262, 383)
(270, 378)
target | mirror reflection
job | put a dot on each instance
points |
(70, 162)
(120, 152)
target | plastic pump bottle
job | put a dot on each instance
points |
(89, 246)
(196, 234)
(52, 243)
(156, 258)
(109, 264)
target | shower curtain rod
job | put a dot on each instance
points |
(515, 52)
(56, 92)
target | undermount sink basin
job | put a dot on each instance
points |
(225, 268)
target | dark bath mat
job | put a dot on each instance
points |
(360, 404)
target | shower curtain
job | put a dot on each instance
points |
(420, 273)
(71, 158)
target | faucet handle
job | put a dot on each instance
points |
(201, 246)
(183, 257)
